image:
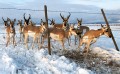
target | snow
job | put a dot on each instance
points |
(19, 60)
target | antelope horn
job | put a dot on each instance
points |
(61, 16)
(24, 16)
(3, 19)
(49, 20)
(69, 15)
(81, 19)
(29, 16)
(77, 19)
(14, 20)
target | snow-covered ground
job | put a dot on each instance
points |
(103, 59)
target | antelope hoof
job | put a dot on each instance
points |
(85, 51)
(65, 50)
(6, 45)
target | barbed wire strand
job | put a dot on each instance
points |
(56, 11)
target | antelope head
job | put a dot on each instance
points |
(43, 23)
(43, 28)
(32, 23)
(71, 29)
(19, 22)
(12, 29)
(65, 20)
(5, 21)
(106, 31)
(79, 22)
(26, 20)
(52, 22)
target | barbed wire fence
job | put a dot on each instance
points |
(39, 14)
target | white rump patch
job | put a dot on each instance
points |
(54, 36)
(94, 40)
(31, 33)
(85, 39)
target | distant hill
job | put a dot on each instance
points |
(82, 11)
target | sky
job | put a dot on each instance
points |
(90, 6)
(106, 4)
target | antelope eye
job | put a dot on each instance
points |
(73, 29)
(106, 30)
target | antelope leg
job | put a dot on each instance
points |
(34, 38)
(8, 40)
(26, 41)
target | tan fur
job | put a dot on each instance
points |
(61, 26)
(36, 31)
(59, 34)
(91, 36)
(10, 32)
(20, 29)
(80, 30)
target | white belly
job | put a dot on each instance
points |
(30, 33)
(11, 35)
(54, 36)
(85, 38)
(94, 40)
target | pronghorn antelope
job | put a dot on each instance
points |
(10, 30)
(80, 29)
(59, 26)
(33, 31)
(43, 22)
(91, 36)
(65, 22)
(5, 21)
(26, 21)
(59, 34)
(31, 23)
(20, 28)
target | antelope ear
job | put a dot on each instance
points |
(41, 20)
(8, 19)
(14, 20)
(3, 19)
(101, 25)
(81, 19)
(18, 20)
(54, 20)
(77, 19)
(21, 21)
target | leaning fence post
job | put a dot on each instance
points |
(46, 18)
(109, 29)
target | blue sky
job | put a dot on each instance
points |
(106, 4)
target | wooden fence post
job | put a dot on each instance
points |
(109, 29)
(46, 18)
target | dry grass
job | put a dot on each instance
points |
(99, 65)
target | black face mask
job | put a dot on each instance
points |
(106, 30)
